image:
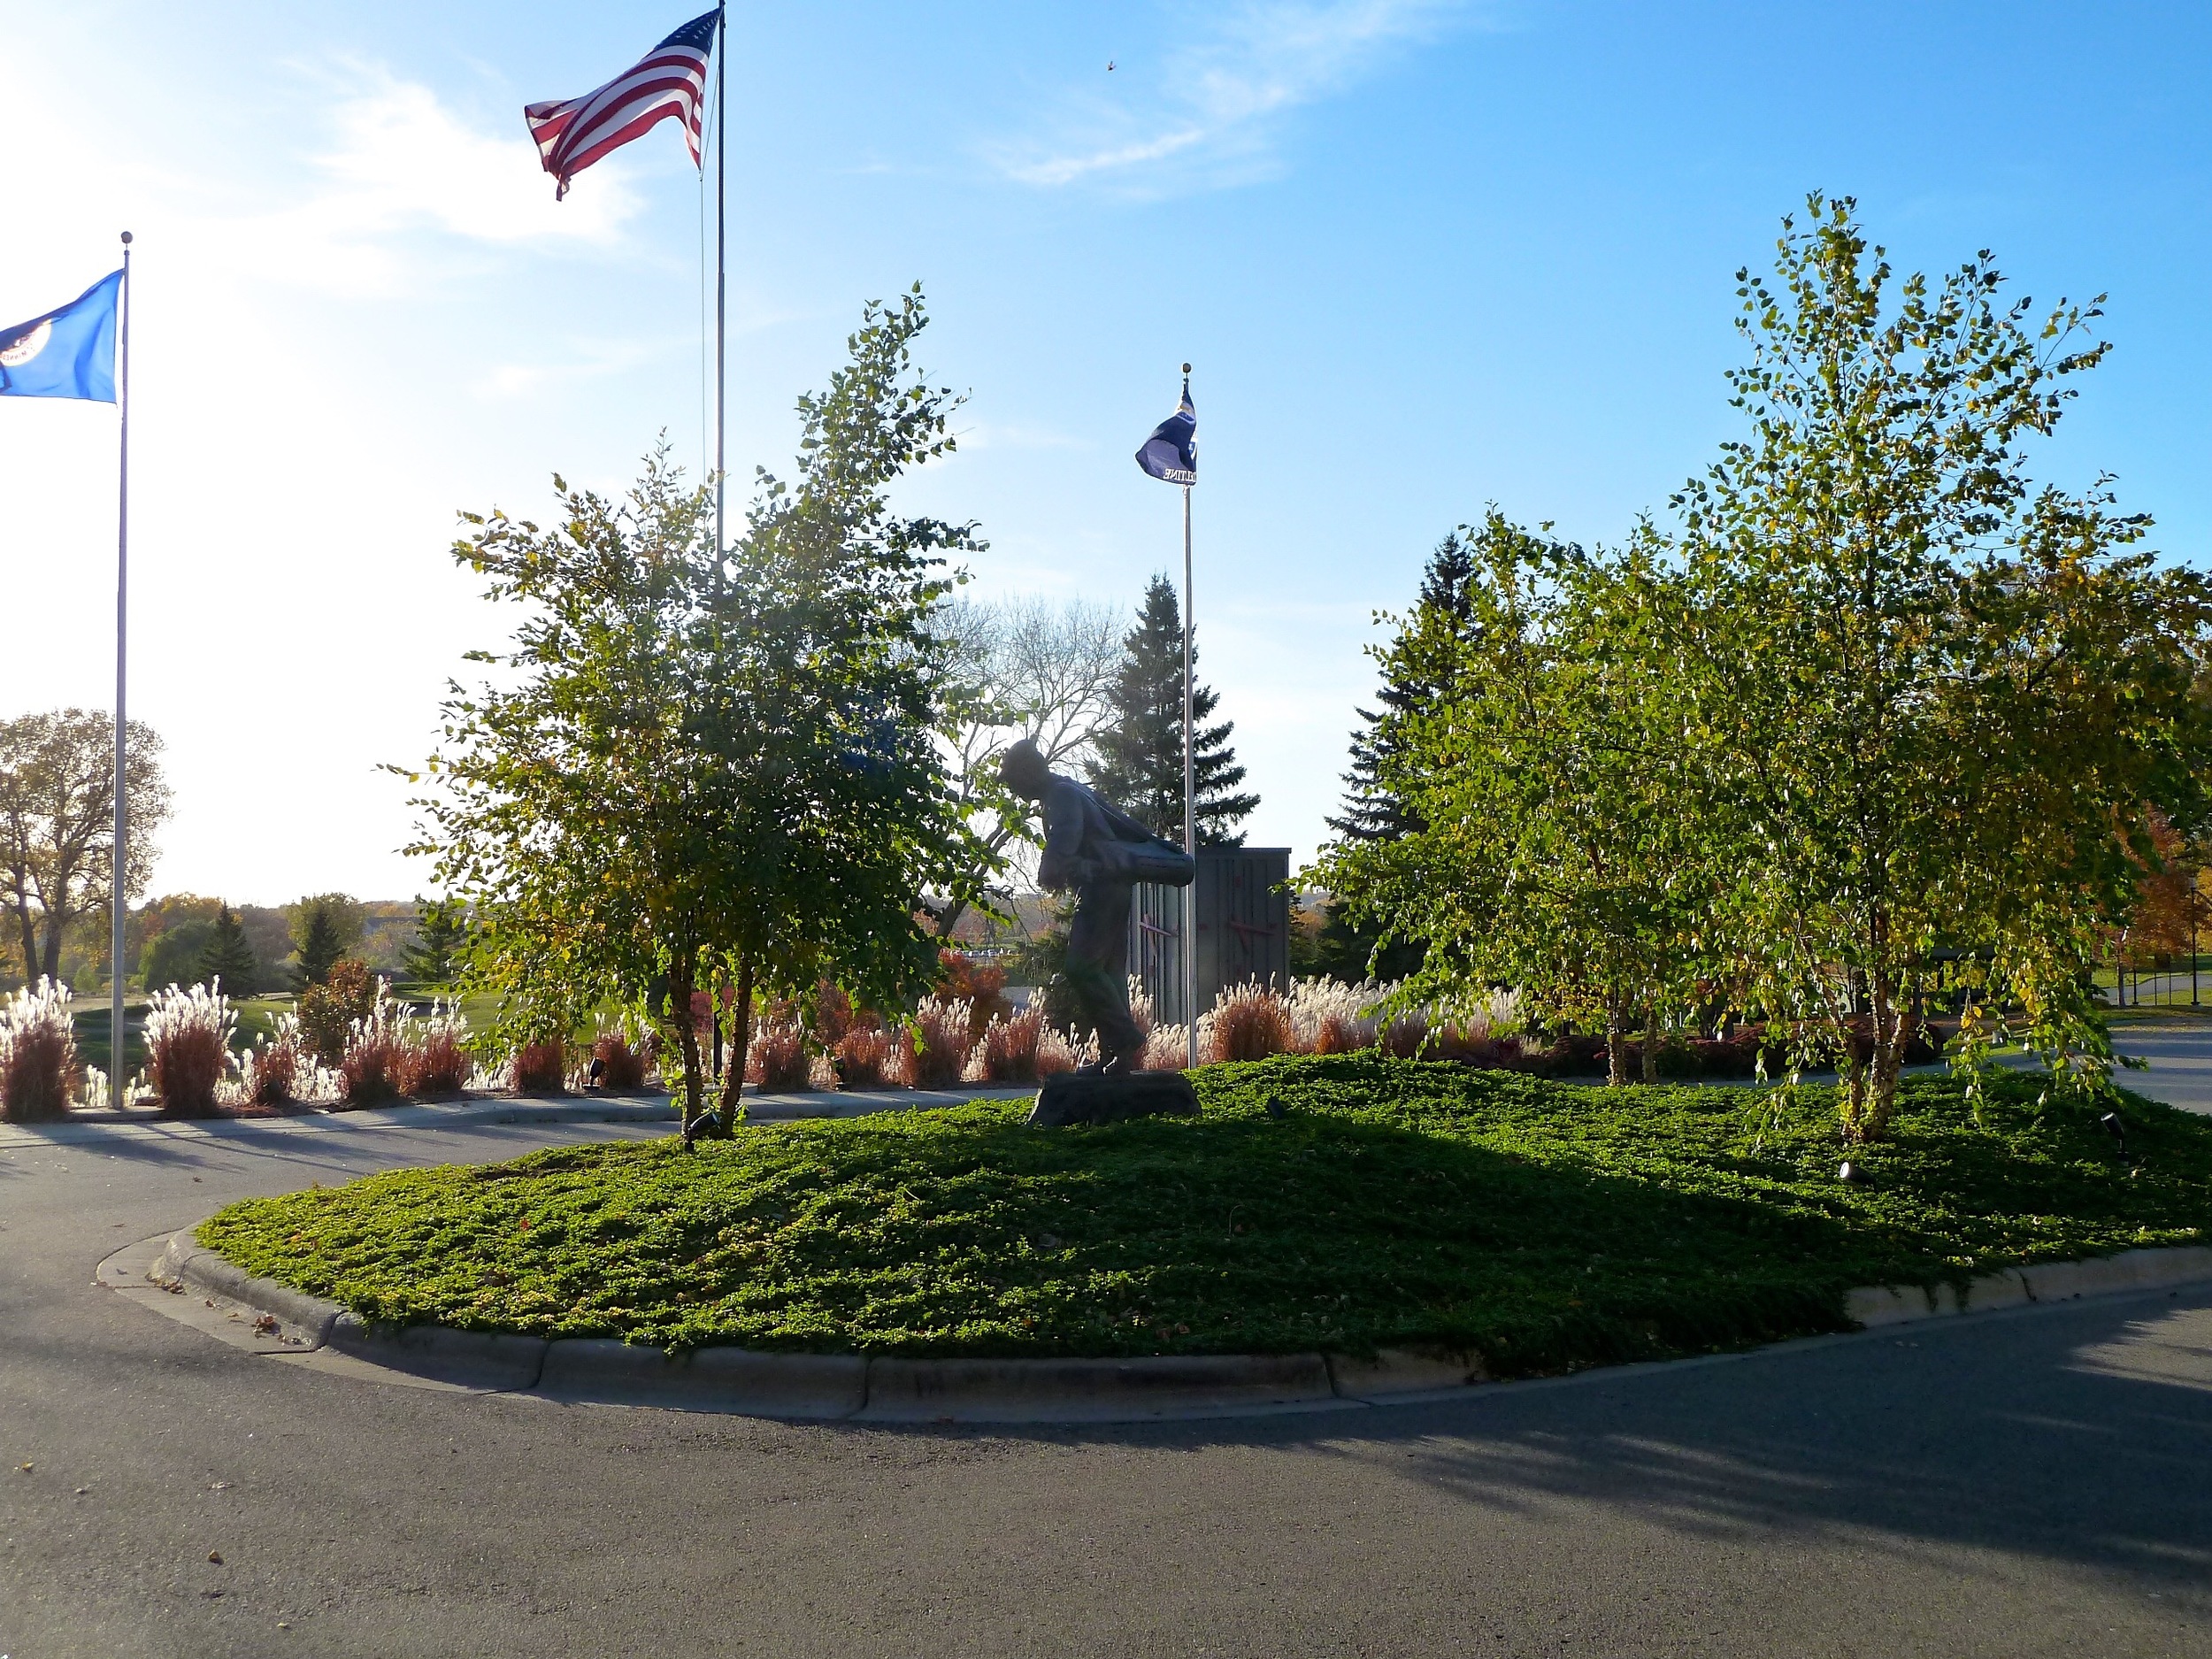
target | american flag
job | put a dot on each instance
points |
(668, 82)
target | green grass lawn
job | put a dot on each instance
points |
(1548, 1224)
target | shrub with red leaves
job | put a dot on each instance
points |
(542, 1068)
(980, 985)
(834, 1015)
(327, 1011)
(1487, 1054)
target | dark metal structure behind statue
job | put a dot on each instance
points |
(1099, 853)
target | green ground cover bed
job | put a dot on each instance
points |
(1548, 1224)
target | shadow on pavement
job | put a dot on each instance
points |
(2080, 1435)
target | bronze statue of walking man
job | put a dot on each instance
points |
(1099, 853)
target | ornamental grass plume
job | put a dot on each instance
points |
(1329, 1016)
(1059, 1052)
(1166, 1048)
(187, 1048)
(38, 1053)
(1248, 1022)
(1406, 1034)
(274, 1068)
(540, 1067)
(1009, 1051)
(623, 1062)
(863, 1056)
(375, 1060)
(434, 1054)
(934, 1053)
(776, 1059)
(1141, 1007)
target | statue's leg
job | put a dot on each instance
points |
(1098, 970)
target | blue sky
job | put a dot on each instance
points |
(1425, 256)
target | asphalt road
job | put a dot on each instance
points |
(2010, 1484)
(2177, 1050)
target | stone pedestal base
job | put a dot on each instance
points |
(1073, 1098)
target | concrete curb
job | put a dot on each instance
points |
(602, 1369)
(883, 1389)
(216, 1275)
(1874, 1305)
(1090, 1390)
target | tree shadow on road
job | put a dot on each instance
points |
(2079, 1435)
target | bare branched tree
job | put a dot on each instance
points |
(1026, 668)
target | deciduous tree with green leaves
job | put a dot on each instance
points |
(716, 774)
(1542, 788)
(1943, 700)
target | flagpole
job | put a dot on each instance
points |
(1190, 796)
(721, 152)
(118, 901)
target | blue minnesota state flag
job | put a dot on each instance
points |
(66, 353)
(1171, 454)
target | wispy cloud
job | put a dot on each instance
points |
(402, 156)
(398, 164)
(991, 435)
(1212, 110)
(586, 360)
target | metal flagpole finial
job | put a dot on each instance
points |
(127, 239)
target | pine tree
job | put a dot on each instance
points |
(1412, 684)
(440, 931)
(321, 945)
(1371, 811)
(1139, 764)
(230, 955)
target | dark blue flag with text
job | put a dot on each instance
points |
(66, 353)
(1171, 454)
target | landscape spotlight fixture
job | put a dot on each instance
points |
(2117, 1130)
